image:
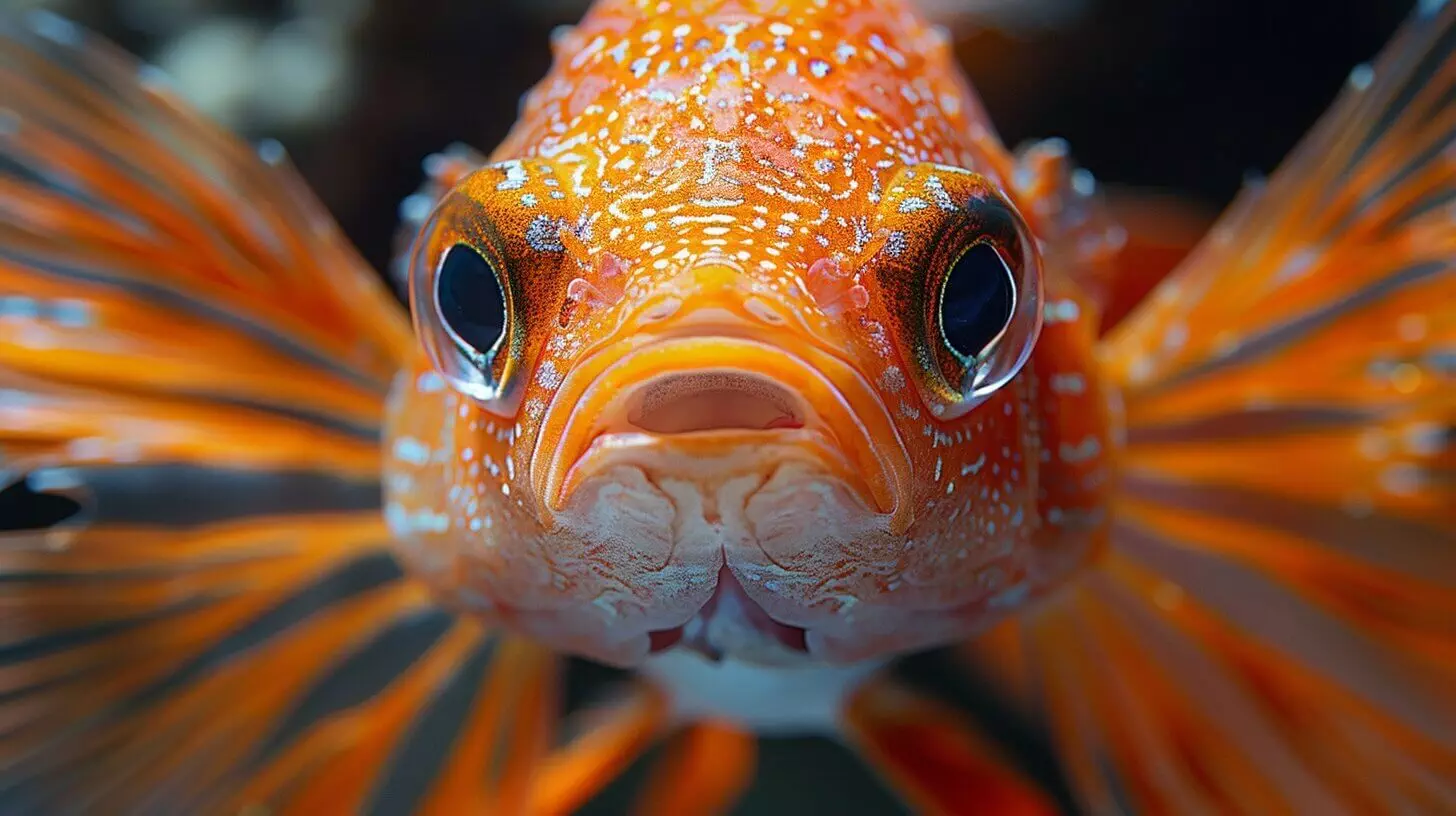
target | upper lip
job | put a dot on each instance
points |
(837, 398)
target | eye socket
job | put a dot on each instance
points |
(977, 301)
(472, 303)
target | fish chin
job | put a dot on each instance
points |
(680, 522)
(755, 546)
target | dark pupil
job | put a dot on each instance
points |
(977, 302)
(472, 303)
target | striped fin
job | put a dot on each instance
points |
(199, 610)
(609, 739)
(123, 212)
(1274, 629)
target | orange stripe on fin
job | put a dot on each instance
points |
(611, 740)
(707, 767)
(932, 758)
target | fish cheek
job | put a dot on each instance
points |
(456, 449)
(447, 486)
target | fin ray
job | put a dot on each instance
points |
(1271, 627)
(197, 361)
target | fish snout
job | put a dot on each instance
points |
(716, 376)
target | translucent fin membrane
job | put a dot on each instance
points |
(199, 610)
(1273, 628)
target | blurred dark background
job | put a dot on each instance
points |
(1184, 97)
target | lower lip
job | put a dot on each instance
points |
(791, 637)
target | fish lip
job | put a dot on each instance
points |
(863, 428)
(793, 638)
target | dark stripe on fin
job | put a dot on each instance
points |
(356, 577)
(162, 295)
(1413, 81)
(175, 495)
(1246, 423)
(34, 648)
(1275, 338)
(361, 675)
(422, 754)
(1417, 549)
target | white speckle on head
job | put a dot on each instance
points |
(892, 379)
(1068, 384)
(412, 451)
(544, 234)
(1062, 311)
(1083, 451)
(515, 176)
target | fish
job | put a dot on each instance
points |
(750, 363)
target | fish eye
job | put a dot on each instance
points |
(464, 311)
(977, 301)
(988, 313)
(471, 300)
(969, 277)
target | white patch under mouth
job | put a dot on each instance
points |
(688, 402)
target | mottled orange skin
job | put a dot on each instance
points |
(718, 152)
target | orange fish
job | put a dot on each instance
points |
(752, 362)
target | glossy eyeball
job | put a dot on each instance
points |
(461, 299)
(471, 300)
(977, 301)
(960, 279)
(986, 313)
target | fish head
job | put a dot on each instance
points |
(747, 390)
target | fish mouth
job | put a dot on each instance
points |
(715, 404)
(716, 400)
(732, 606)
